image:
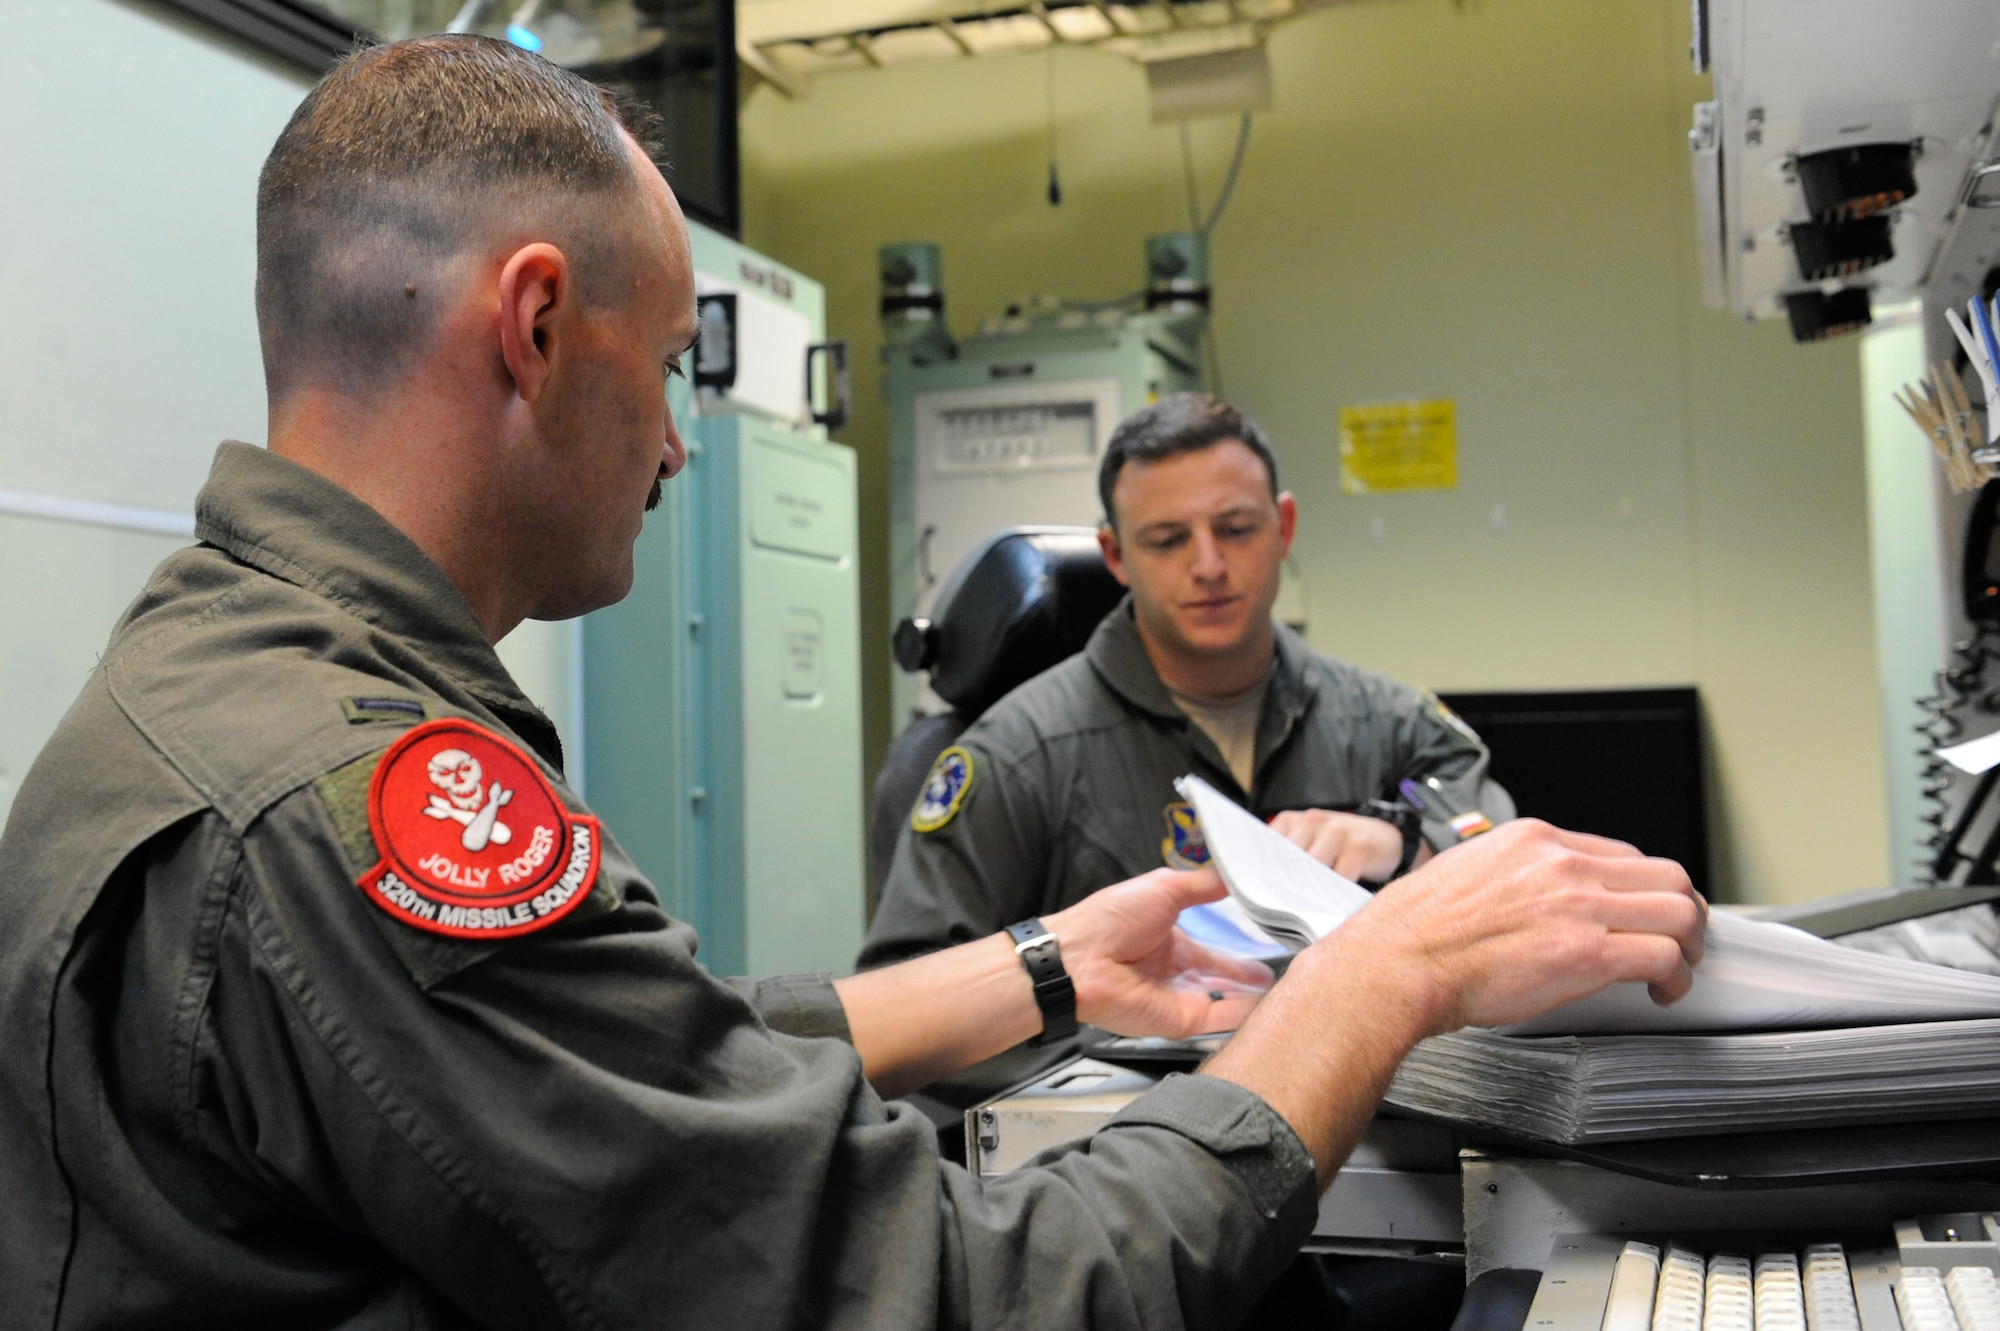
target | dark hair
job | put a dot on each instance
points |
(1178, 423)
(403, 158)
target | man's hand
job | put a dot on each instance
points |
(1528, 917)
(1500, 929)
(1351, 844)
(1137, 974)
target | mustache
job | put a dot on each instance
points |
(653, 495)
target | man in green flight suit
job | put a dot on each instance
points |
(1066, 785)
(330, 1004)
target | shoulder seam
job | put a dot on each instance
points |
(300, 576)
(194, 1000)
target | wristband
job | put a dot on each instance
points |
(1406, 819)
(1041, 956)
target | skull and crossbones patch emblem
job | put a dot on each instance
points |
(466, 802)
(474, 841)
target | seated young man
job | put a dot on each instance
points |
(1066, 785)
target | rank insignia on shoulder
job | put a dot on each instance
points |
(1183, 847)
(360, 710)
(475, 842)
(944, 790)
(1436, 706)
(1470, 824)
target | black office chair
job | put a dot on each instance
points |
(1025, 599)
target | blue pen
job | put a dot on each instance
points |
(1425, 801)
(1983, 321)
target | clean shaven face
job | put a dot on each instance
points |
(1200, 541)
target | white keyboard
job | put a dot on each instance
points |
(1601, 1283)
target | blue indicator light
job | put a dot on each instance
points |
(522, 38)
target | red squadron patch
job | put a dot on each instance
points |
(475, 842)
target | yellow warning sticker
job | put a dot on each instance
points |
(1387, 446)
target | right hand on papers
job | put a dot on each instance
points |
(1528, 917)
(1496, 930)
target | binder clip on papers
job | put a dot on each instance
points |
(1940, 407)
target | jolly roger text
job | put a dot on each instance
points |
(582, 853)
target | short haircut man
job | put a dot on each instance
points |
(1176, 424)
(363, 205)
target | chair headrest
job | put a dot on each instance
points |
(1023, 600)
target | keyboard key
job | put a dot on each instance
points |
(1677, 1306)
(1975, 1297)
(1729, 1305)
(1630, 1306)
(1923, 1301)
(1779, 1302)
(1829, 1290)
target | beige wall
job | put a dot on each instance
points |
(128, 179)
(1488, 203)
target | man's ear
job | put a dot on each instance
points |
(1114, 554)
(535, 291)
(1288, 522)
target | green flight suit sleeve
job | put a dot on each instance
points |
(974, 871)
(802, 1005)
(584, 1129)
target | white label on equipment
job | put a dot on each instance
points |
(1009, 429)
(799, 503)
(805, 673)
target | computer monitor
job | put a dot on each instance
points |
(1623, 763)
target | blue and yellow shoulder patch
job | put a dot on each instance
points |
(944, 790)
(1183, 847)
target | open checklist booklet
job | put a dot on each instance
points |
(1780, 1029)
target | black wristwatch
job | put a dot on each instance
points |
(1054, 994)
(1407, 820)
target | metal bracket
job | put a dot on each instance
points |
(1984, 172)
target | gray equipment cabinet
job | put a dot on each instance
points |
(1006, 428)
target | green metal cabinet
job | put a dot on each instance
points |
(723, 696)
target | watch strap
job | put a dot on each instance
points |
(1406, 820)
(1055, 995)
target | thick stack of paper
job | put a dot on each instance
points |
(1599, 1088)
(1841, 1036)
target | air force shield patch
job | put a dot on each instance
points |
(944, 790)
(1183, 847)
